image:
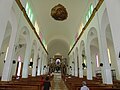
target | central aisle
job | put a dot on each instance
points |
(57, 82)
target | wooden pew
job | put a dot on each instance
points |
(30, 83)
(74, 83)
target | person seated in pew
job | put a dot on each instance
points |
(84, 86)
(47, 84)
(41, 83)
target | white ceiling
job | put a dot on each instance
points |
(59, 32)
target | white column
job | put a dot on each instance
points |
(45, 63)
(5, 8)
(88, 61)
(106, 70)
(93, 65)
(38, 71)
(70, 70)
(39, 65)
(69, 65)
(34, 62)
(80, 65)
(42, 66)
(6, 75)
(47, 69)
(26, 61)
(75, 63)
(114, 19)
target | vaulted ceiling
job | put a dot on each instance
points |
(59, 35)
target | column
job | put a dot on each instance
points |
(5, 8)
(76, 67)
(45, 64)
(70, 65)
(88, 61)
(26, 60)
(106, 70)
(34, 62)
(114, 19)
(93, 65)
(80, 65)
(39, 64)
(42, 66)
(72, 60)
(6, 75)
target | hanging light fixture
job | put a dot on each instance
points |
(59, 12)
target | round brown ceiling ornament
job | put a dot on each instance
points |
(59, 12)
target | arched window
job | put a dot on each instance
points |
(57, 61)
(109, 56)
(97, 60)
(19, 66)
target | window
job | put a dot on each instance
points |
(37, 27)
(109, 55)
(57, 61)
(6, 53)
(97, 61)
(31, 18)
(19, 68)
(89, 14)
(19, 65)
(29, 12)
(91, 8)
(27, 7)
(86, 18)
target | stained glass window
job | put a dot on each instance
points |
(91, 8)
(109, 56)
(29, 12)
(37, 27)
(6, 53)
(97, 61)
(27, 7)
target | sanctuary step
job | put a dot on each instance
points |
(58, 83)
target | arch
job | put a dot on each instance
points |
(91, 34)
(23, 39)
(58, 46)
(24, 32)
(104, 24)
(92, 41)
(82, 61)
(81, 48)
(34, 47)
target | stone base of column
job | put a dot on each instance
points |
(108, 76)
(81, 74)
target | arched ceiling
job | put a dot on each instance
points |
(58, 46)
(59, 32)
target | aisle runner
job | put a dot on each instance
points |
(57, 83)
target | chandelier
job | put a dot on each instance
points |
(59, 12)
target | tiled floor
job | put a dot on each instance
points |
(57, 83)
